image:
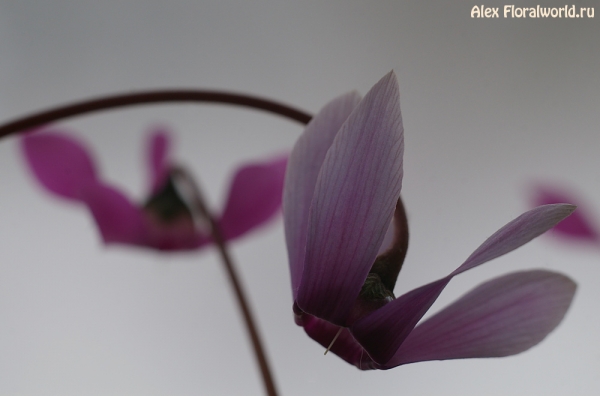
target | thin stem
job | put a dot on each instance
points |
(199, 202)
(148, 97)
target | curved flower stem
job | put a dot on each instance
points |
(198, 201)
(148, 97)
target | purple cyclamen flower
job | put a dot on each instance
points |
(165, 222)
(341, 196)
(579, 226)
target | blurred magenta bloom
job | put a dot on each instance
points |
(164, 222)
(578, 226)
(341, 208)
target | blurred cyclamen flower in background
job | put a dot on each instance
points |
(166, 220)
(577, 227)
(341, 207)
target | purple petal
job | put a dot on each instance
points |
(60, 163)
(502, 317)
(576, 226)
(254, 196)
(158, 158)
(303, 169)
(518, 232)
(117, 218)
(354, 200)
(120, 221)
(382, 332)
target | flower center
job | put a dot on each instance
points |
(375, 290)
(167, 205)
(380, 282)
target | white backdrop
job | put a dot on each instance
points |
(488, 107)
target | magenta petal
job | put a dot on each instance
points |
(518, 232)
(171, 237)
(158, 158)
(383, 331)
(502, 317)
(60, 163)
(304, 165)
(354, 200)
(118, 219)
(576, 226)
(254, 197)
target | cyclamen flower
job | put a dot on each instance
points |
(579, 226)
(342, 193)
(165, 222)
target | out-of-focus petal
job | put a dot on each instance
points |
(502, 317)
(383, 331)
(254, 196)
(158, 158)
(518, 232)
(180, 235)
(354, 200)
(305, 162)
(60, 163)
(117, 218)
(120, 221)
(576, 226)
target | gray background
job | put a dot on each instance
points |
(489, 106)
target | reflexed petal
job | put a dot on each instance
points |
(354, 200)
(117, 218)
(518, 232)
(65, 167)
(304, 166)
(578, 225)
(60, 163)
(158, 159)
(502, 317)
(382, 332)
(254, 197)
(119, 221)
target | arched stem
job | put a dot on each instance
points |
(149, 97)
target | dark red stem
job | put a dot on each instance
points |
(142, 98)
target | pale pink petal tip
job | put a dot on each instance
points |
(60, 163)
(254, 196)
(580, 225)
